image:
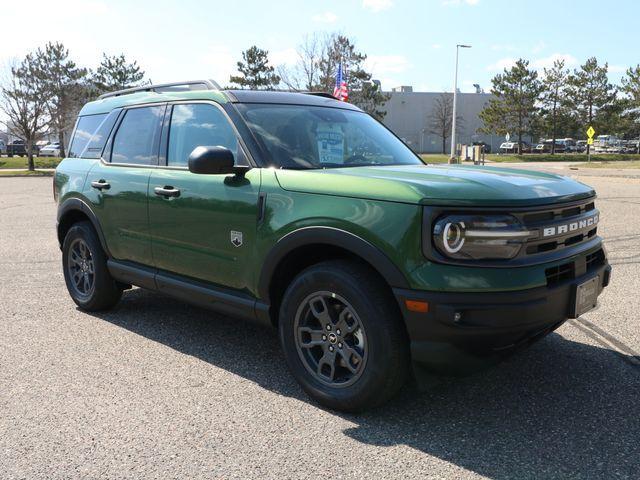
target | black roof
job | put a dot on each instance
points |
(268, 96)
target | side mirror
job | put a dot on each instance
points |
(213, 161)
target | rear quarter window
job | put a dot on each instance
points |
(91, 133)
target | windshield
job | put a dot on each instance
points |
(304, 137)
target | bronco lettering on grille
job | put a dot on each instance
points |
(570, 227)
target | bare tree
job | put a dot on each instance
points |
(441, 116)
(306, 73)
(318, 58)
(25, 105)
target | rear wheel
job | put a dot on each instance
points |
(343, 336)
(85, 270)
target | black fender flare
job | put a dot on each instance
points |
(334, 237)
(76, 204)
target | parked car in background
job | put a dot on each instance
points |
(545, 147)
(485, 145)
(569, 145)
(526, 147)
(50, 150)
(17, 147)
(581, 146)
(605, 144)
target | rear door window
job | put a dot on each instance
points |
(136, 141)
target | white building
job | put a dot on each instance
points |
(408, 116)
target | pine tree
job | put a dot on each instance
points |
(553, 97)
(631, 114)
(116, 73)
(362, 91)
(589, 92)
(515, 106)
(631, 84)
(63, 83)
(255, 71)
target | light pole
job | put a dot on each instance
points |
(455, 105)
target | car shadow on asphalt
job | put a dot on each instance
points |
(561, 409)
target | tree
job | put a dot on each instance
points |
(305, 74)
(363, 92)
(116, 73)
(255, 71)
(63, 84)
(441, 116)
(318, 60)
(631, 115)
(555, 79)
(24, 102)
(515, 103)
(631, 85)
(589, 91)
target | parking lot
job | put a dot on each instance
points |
(160, 389)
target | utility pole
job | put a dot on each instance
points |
(455, 105)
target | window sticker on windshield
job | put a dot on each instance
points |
(330, 143)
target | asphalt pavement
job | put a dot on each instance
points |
(159, 389)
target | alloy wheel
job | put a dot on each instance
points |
(330, 339)
(81, 268)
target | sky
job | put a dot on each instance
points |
(408, 42)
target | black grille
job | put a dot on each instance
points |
(558, 274)
(594, 260)
(567, 271)
(568, 222)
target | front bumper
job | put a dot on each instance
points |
(459, 327)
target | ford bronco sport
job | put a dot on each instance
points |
(305, 213)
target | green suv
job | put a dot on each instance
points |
(306, 214)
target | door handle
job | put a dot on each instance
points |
(101, 184)
(167, 191)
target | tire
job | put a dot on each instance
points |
(84, 264)
(375, 346)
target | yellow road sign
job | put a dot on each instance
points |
(590, 133)
(590, 141)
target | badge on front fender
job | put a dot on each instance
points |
(236, 238)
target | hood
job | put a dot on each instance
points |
(438, 185)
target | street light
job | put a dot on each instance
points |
(455, 104)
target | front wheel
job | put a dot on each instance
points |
(85, 270)
(343, 337)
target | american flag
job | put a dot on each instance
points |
(340, 91)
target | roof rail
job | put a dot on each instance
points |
(320, 94)
(167, 87)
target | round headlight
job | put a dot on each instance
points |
(453, 236)
(479, 237)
